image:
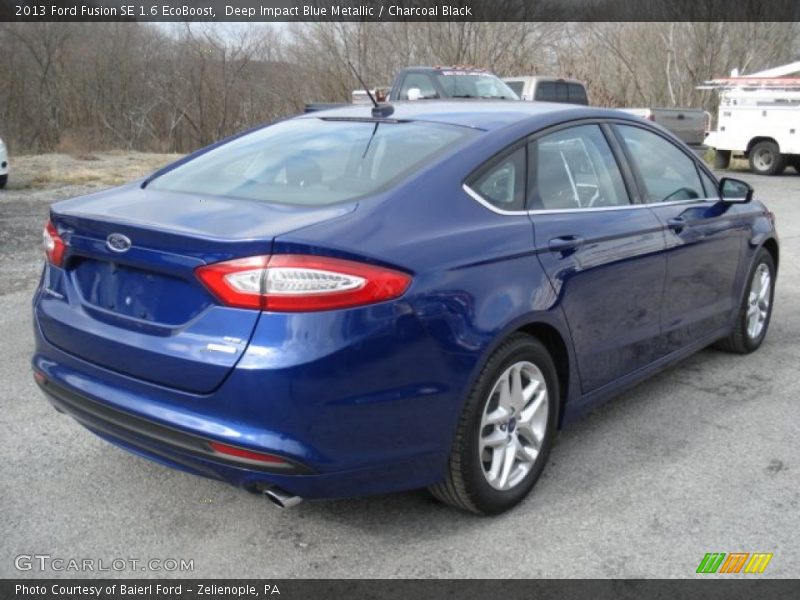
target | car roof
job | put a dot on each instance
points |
(487, 115)
(465, 68)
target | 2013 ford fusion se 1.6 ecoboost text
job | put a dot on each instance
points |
(361, 301)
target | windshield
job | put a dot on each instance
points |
(462, 84)
(313, 161)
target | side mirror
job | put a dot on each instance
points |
(414, 93)
(735, 191)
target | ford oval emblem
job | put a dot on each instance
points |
(117, 242)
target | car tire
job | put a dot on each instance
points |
(746, 338)
(471, 482)
(766, 159)
(3, 181)
(794, 160)
(722, 159)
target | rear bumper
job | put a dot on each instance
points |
(147, 439)
(109, 421)
(341, 444)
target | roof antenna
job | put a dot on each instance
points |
(379, 109)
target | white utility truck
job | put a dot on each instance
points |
(758, 118)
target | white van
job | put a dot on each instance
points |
(548, 89)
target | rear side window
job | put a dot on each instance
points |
(312, 161)
(668, 173)
(574, 168)
(502, 182)
(420, 81)
(577, 94)
(552, 91)
(546, 91)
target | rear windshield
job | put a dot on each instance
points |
(313, 161)
(560, 91)
(465, 84)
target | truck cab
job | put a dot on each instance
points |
(549, 89)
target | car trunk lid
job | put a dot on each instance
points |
(140, 310)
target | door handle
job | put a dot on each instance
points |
(565, 243)
(676, 224)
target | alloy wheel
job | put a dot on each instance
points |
(513, 425)
(758, 301)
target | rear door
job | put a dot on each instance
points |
(703, 236)
(603, 254)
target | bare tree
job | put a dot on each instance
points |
(149, 87)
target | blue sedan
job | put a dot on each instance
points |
(364, 301)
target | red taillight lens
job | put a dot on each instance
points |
(297, 283)
(236, 282)
(54, 246)
(235, 452)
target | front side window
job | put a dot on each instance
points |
(574, 168)
(667, 172)
(577, 94)
(502, 183)
(311, 161)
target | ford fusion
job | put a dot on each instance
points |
(363, 301)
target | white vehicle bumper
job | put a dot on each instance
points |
(3, 159)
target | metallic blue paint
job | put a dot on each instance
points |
(368, 398)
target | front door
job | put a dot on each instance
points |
(703, 237)
(603, 254)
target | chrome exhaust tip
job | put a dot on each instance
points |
(280, 498)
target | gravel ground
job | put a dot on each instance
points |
(37, 181)
(702, 458)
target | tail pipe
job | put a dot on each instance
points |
(281, 498)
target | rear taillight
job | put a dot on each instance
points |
(299, 283)
(54, 246)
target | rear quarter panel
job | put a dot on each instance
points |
(476, 276)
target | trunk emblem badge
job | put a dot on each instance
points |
(116, 242)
